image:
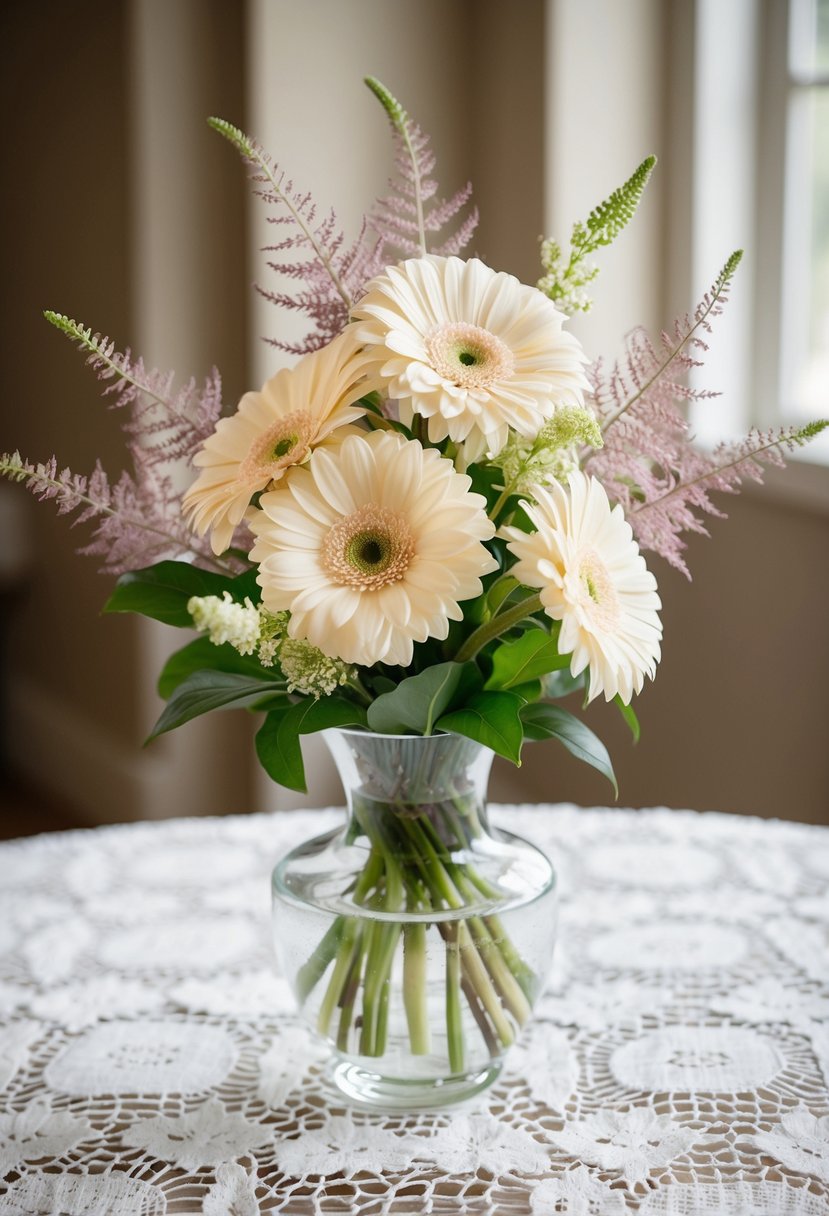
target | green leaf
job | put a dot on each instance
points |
(499, 591)
(562, 684)
(203, 655)
(206, 690)
(491, 718)
(531, 691)
(277, 741)
(629, 715)
(532, 655)
(543, 721)
(162, 591)
(417, 702)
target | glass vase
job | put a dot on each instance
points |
(416, 938)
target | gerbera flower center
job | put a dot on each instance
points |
(370, 548)
(287, 441)
(599, 594)
(469, 356)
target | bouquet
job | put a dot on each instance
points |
(432, 524)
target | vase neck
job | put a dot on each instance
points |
(436, 781)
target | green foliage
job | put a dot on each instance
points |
(727, 273)
(397, 115)
(560, 684)
(204, 655)
(629, 715)
(605, 222)
(241, 142)
(565, 283)
(530, 656)
(163, 591)
(204, 691)
(491, 718)
(417, 702)
(807, 432)
(277, 741)
(74, 331)
(544, 721)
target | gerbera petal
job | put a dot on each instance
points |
(297, 410)
(455, 340)
(365, 571)
(594, 580)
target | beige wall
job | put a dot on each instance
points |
(112, 213)
(125, 212)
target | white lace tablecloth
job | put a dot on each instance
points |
(151, 1061)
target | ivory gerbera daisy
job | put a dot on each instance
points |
(296, 410)
(371, 548)
(594, 580)
(471, 349)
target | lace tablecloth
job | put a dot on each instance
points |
(151, 1060)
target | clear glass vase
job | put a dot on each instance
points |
(417, 940)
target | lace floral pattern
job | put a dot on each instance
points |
(151, 1061)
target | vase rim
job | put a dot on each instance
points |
(379, 734)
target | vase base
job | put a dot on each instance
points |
(376, 1092)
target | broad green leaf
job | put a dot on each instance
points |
(417, 702)
(203, 655)
(499, 591)
(544, 721)
(530, 656)
(380, 684)
(277, 741)
(629, 715)
(531, 691)
(492, 718)
(562, 684)
(206, 690)
(279, 752)
(162, 591)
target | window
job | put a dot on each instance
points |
(804, 329)
(760, 173)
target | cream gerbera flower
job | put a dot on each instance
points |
(471, 349)
(594, 580)
(297, 410)
(371, 548)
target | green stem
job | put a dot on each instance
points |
(454, 1018)
(500, 501)
(479, 978)
(342, 966)
(382, 943)
(348, 998)
(311, 973)
(414, 988)
(499, 624)
(383, 938)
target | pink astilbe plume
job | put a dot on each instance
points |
(330, 272)
(648, 463)
(163, 424)
(407, 218)
(139, 517)
(659, 521)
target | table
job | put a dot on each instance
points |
(151, 1061)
